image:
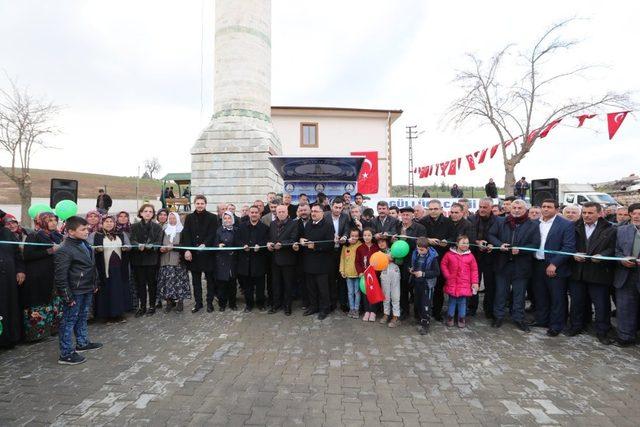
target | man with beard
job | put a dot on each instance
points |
(282, 234)
(481, 223)
(200, 231)
(252, 261)
(340, 222)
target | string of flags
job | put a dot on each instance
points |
(451, 167)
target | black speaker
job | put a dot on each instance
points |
(542, 189)
(63, 189)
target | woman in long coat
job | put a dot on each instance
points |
(173, 278)
(41, 307)
(11, 276)
(226, 262)
(113, 298)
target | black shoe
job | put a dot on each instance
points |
(304, 308)
(423, 329)
(322, 316)
(344, 308)
(287, 311)
(233, 307)
(167, 308)
(73, 359)
(497, 323)
(151, 311)
(522, 326)
(210, 308)
(140, 312)
(623, 343)
(309, 312)
(605, 340)
(222, 308)
(196, 308)
(471, 313)
(573, 332)
(90, 346)
(530, 309)
(438, 317)
(273, 310)
(489, 316)
(247, 310)
(538, 325)
(159, 304)
(552, 333)
(262, 309)
(179, 306)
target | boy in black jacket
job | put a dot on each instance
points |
(75, 278)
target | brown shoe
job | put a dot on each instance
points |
(384, 319)
(462, 322)
(394, 322)
(449, 321)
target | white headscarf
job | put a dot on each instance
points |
(233, 220)
(172, 230)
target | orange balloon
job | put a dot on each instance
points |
(379, 261)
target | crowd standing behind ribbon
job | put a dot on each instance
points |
(568, 267)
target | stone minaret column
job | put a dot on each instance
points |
(230, 160)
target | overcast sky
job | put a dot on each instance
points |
(129, 75)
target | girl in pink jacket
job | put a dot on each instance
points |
(460, 271)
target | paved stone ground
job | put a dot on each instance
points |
(233, 369)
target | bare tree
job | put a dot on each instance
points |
(519, 111)
(152, 166)
(25, 121)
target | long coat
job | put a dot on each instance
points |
(39, 270)
(602, 242)
(252, 263)
(145, 233)
(287, 234)
(226, 261)
(318, 260)
(10, 264)
(200, 228)
(526, 235)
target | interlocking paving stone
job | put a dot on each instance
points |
(256, 369)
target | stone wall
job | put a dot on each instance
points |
(626, 197)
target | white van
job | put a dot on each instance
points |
(583, 197)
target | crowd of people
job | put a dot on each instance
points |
(57, 276)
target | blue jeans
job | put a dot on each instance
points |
(353, 292)
(74, 319)
(461, 303)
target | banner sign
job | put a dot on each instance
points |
(402, 202)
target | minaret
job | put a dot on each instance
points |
(230, 160)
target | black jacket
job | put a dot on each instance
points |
(343, 223)
(464, 227)
(200, 228)
(251, 263)
(38, 260)
(526, 235)
(226, 261)
(147, 233)
(318, 260)
(491, 190)
(481, 228)
(602, 242)
(107, 202)
(288, 233)
(390, 225)
(440, 228)
(75, 268)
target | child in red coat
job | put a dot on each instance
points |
(460, 271)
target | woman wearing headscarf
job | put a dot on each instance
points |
(173, 279)
(161, 218)
(93, 218)
(123, 225)
(41, 307)
(11, 277)
(226, 263)
(19, 232)
(113, 298)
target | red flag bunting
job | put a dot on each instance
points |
(493, 151)
(614, 120)
(584, 117)
(548, 128)
(452, 167)
(472, 163)
(443, 168)
(533, 135)
(374, 291)
(483, 154)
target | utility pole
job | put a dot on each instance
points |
(412, 133)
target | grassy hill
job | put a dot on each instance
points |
(118, 187)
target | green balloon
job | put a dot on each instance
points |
(363, 288)
(38, 208)
(65, 209)
(400, 249)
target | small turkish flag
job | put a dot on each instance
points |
(443, 168)
(493, 151)
(452, 167)
(548, 128)
(472, 163)
(482, 154)
(368, 177)
(614, 120)
(374, 291)
(584, 117)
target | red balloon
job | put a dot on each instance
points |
(379, 261)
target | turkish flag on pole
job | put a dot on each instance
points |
(614, 120)
(584, 117)
(368, 177)
(374, 291)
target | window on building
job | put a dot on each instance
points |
(308, 134)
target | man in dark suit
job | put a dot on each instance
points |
(481, 223)
(282, 233)
(384, 223)
(407, 227)
(253, 261)
(200, 230)
(551, 271)
(337, 284)
(440, 231)
(627, 278)
(590, 276)
(315, 259)
(513, 266)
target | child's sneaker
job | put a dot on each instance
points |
(461, 322)
(384, 319)
(73, 359)
(449, 321)
(365, 318)
(353, 314)
(372, 317)
(394, 322)
(423, 329)
(90, 346)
